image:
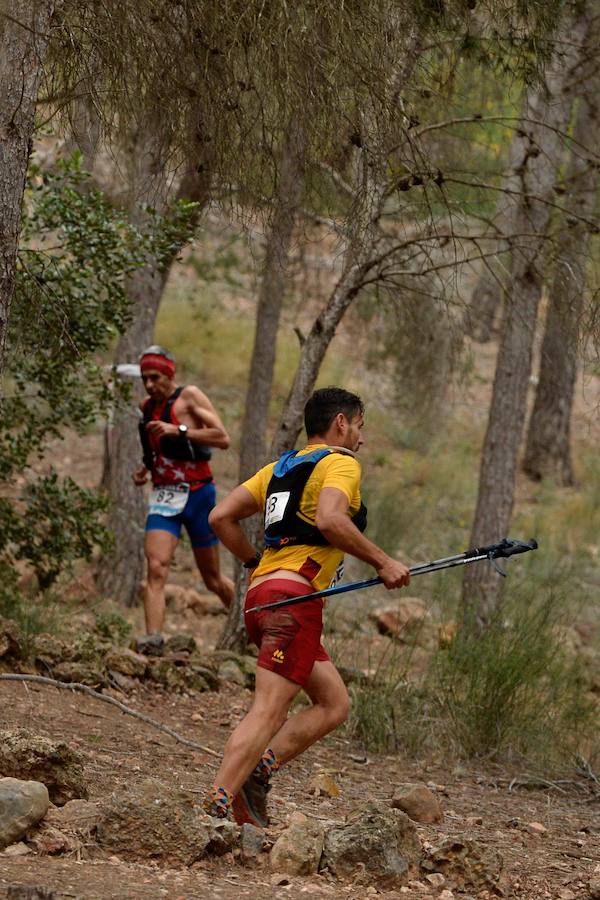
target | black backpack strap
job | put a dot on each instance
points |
(166, 413)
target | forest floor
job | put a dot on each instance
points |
(491, 804)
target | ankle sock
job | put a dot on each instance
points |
(218, 803)
(267, 766)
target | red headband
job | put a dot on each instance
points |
(158, 363)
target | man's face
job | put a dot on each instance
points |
(157, 384)
(353, 436)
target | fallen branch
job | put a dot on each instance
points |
(84, 689)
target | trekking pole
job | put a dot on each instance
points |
(502, 550)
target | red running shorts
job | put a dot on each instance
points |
(288, 639)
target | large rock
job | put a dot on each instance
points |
(298, 850)
(143, 823)
(32, 757)
(65, 829)
(466, 864)
(126, 662)
(10, 646)
(418, 802)
(22, 805)
(383, 842)
(407, 621)
(80, 673)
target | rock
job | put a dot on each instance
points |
(176, 673)
(594, 888)
(350, 675)
(126, 662)
(29, 892)
(418, 802)
(66, 828)
(19, 849)
(252, 842)
(446, 634)
(536, 828)
(446, 895)
(181, 643)
(279, 879)
(9, 639)
(408, 621)
(49, 649)
(466, 864)
(436, 879)
(79, 672)
(122, 683)
(382, 841)
(470, 821)
(418, 887)
(298, 850)
(566, 894)
(35, 758)
(22, 804)
(323, 785)
(143, 823)
(235, 668)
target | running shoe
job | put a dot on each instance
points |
(250, 804)
(151, 644)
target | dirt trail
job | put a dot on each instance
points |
(557, 864)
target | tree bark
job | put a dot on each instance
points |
(262, 365)
(22, 50)
(548, 446)
(121, 572)
(540, 154)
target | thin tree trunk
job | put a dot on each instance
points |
(260, 382)
(548, 447)
(121, 572)
(540, 154)
(22, 50)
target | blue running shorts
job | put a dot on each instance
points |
(194, 517)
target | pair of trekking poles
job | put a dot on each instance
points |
(502, 550)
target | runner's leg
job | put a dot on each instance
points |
(330, 708)
(207, 560)
(272, 699)
(159, 547)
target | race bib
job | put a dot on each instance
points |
(168, 500)
(275, 507)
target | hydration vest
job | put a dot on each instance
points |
(177, 448)
(285, 525)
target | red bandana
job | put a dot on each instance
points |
(157, 363)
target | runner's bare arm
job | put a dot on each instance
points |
(211, 431)
(333, 521)
(225, 521)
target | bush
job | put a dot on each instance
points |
(512, 690)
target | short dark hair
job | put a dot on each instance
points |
(324, 405)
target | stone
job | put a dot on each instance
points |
(536, 828)
(19, 849)
(418, 802)
(66, 828)
(297, 851)
(383, 842)
(22, 805)
(436, 879)
(144, 823)
(446, 895)
(418, 887)
(594, 888)
(447, 631)
(126, 662)
(29, 892)
(10, 646)
(473, 820)
(49, 649)
(79, 672)
(466, 864)
(252, 842)
(566, 894)
(323, 785)
(181, 643)
(35, 758)
(408, 621)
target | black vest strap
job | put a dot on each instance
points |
(179, 447)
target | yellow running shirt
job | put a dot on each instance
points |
(318, 564)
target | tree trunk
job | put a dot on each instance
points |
(548, 447)
(22, 50)
(260, 382)
(121, 572)
(540, 154)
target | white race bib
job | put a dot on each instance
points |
(275, 507)
(168, 500)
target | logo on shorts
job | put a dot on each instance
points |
(278, 656)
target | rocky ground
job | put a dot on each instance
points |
(127, 823)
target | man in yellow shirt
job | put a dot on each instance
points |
(313, 515)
